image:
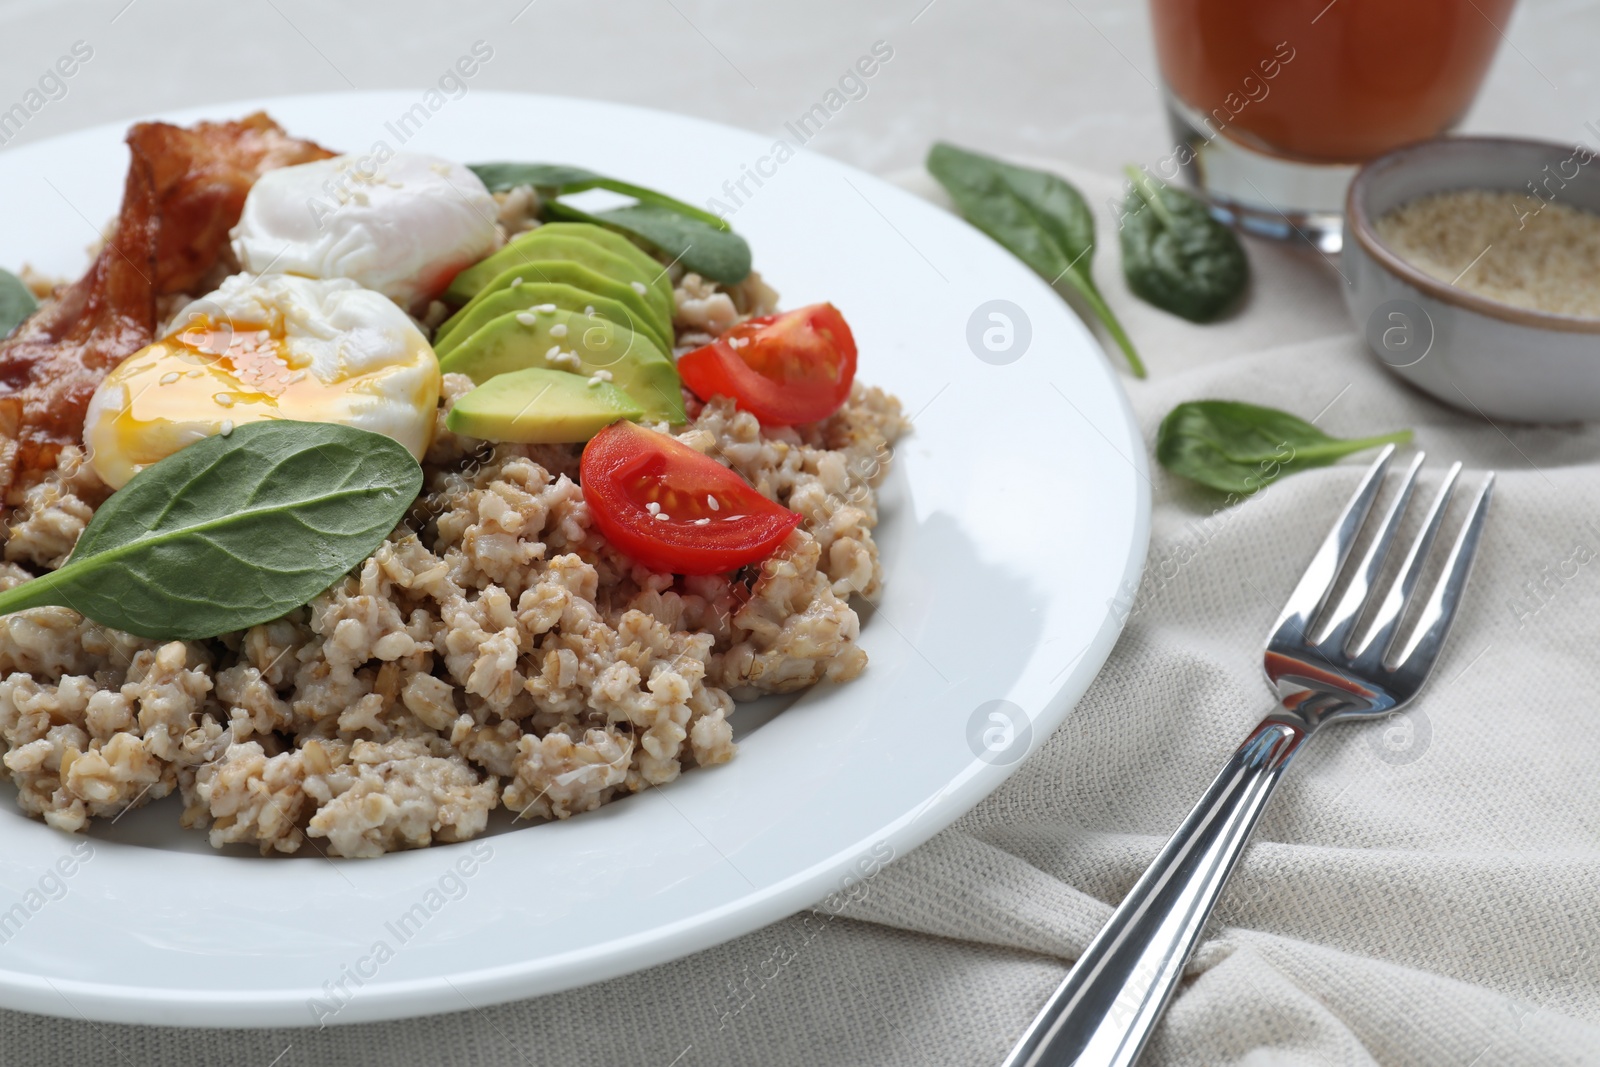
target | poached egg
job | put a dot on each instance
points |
(273, 347)
(402, 224)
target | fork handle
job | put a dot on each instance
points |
(1108, 1005)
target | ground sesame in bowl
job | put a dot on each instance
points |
(1543, 257)
(1470, 266)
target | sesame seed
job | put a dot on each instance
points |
(263, 336)
(702, 522)
(663, 516)
(516, 281)
(170, 377)
(553, 354)
(558, 330)
(297, 376)
(225, 399)
(602, 376)
(227, 427)
(589, 310)
(640, 287)
(526, 318)
(711, 502)
(544, 307)
(652, 507)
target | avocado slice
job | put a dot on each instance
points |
(609, 240)
(525, 338)
(540, 406)
(566, 272)
(543, 244)
(492, 303)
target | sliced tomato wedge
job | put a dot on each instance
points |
(783, 369)
(673, 509)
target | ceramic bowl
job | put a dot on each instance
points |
(1477, 354)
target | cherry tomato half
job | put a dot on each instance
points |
(783, 369)
(673, 509)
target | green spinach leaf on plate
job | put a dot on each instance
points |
(16, 303)
(232, 530)
(699, 240)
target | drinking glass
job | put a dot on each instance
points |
(1275, 103)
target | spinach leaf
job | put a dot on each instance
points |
(699, 240)
(1239, 448)
(16, 303)
(232, 531)
(1036, 216)
(720, 255)
(1175, 255)
(553, 178)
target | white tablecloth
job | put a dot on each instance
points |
(1420, 893)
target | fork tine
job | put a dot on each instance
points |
(1342, 619)
(1386, 620)
(1434, 623)
(1317, 582)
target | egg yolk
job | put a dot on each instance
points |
(210, 377)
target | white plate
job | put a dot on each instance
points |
(1017, 515)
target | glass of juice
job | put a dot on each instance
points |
(1275, 103)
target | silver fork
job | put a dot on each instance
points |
(1323, 671)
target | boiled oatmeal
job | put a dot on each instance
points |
(497, 647)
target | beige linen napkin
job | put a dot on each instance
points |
(1425, 891)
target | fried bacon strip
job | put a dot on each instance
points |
(184, 192)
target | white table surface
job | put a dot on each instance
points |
(1063, 79)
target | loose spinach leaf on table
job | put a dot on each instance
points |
(1239, 448)
(232, 531)
(1034, 215)
(16, 303)
(699, 240)
(1175, 255)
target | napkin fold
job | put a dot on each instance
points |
(1422, 891)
